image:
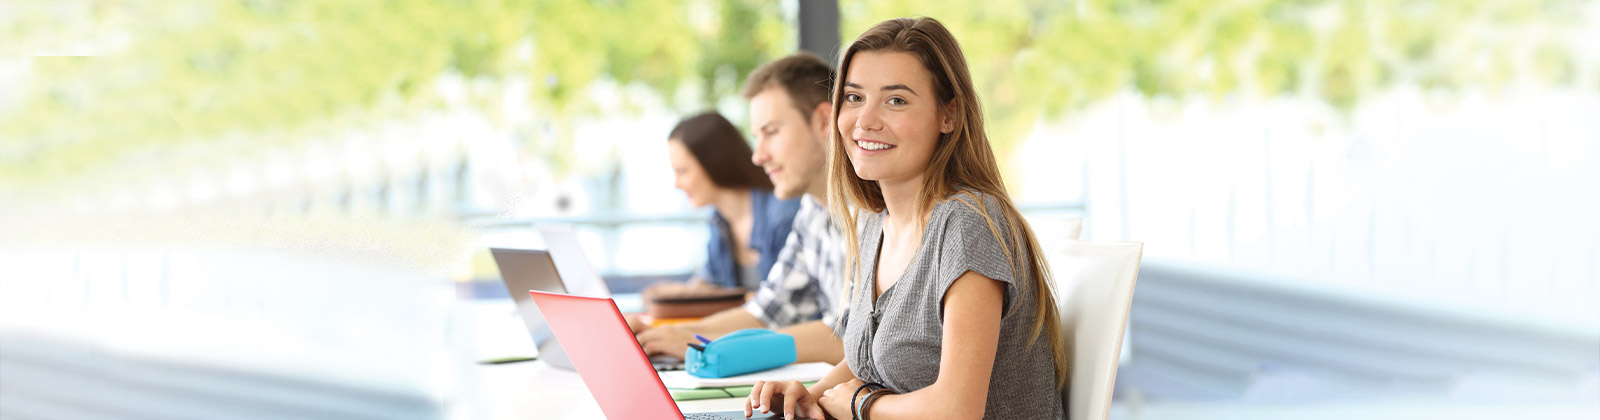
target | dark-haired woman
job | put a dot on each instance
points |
(711, 165)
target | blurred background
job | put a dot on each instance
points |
(1349, 208)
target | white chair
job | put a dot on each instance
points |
(1093, 290)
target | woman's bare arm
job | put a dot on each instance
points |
(972, 309)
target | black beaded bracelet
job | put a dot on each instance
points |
(866, 402)
(854, 415)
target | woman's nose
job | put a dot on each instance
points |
(869, 119)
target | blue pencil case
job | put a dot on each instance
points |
(740, 352)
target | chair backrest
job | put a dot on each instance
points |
(1093, 289)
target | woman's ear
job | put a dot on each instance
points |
(947, 118)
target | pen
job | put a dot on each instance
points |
(703, 339)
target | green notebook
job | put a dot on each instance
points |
(699, 394)
(710, 393)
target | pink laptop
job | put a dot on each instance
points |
(609, 360)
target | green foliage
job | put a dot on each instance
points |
(1037, 59)
(242, 75)
(186, 74)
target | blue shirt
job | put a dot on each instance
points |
(773, 219)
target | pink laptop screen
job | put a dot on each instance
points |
(613, 367)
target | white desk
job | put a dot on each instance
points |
(523, 390)
(534, 390)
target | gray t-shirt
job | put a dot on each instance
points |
(898, 344)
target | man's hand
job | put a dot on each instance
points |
(636, 324)
(674, 339)
(671, 340)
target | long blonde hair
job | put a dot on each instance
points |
(961, 158)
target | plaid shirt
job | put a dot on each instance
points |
(808, 277)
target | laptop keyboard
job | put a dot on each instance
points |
(736, 415)
(664, 363)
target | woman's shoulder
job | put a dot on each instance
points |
(972, 233)
(969, 206)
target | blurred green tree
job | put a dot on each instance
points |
(233, 76)
(1042, 59)
(240, 75)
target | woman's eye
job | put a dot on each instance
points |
(851, 97)
(897, 101)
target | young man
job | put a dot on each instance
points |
(790, 108)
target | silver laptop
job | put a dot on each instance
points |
(580, 279)
(527, 269)
(562, 269)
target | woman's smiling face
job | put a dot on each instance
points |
(890, 116)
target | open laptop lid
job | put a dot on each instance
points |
(611, 363)
(526, 269)
(607, 356)
(570, 261)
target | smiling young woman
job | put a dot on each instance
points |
(950, 312)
